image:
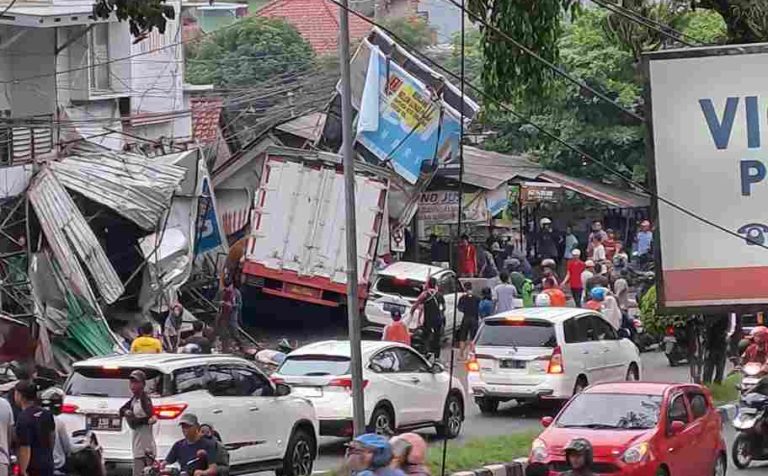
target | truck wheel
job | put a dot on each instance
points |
(487, 405)
(299, 456)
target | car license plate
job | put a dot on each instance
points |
(512, 364)
(104, 422)
(309, 392)
(303, 290)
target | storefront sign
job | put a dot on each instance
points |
(535, 192)
(443, 207)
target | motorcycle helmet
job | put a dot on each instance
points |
(580, 446)
(52, 399)
(545, 221)
(382, 451)
(543, 300)
(598, 294)
(760, 334)
(417, 448)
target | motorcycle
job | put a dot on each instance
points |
(85, 458)
(675, 345)
(642, 339)
(751, 443)
(156, 467)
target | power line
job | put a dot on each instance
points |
(558, 70)
(550, 134)
(658, 27)
(10, 5)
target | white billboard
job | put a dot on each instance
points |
(710, 156)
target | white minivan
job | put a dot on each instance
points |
(546, 353)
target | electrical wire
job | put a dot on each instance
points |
(556, 69)
(649, 23)
(10, 5)
(552, 135)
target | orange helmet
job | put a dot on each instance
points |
(760, 334)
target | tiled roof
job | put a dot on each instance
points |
(317, 21)
(205, 118)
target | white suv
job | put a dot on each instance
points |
(260, 423)
(399, 284)
(402, 389)
(546, 353)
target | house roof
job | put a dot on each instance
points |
(205, 118)
(317, 21)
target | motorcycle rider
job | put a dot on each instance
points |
(370, 455)
(757, 351)
(578, 455)
(52, 399)
(410, 454)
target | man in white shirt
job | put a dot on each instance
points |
(6, 429)
(504, 294)
(586, 275)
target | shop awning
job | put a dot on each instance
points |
(488, 170)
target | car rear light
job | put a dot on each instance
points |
(169, 411)
(670, 330)
(16, 470)
(68, 408)
(345, 383)
(473, 365)
(556, 362)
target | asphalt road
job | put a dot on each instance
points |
(513, 419)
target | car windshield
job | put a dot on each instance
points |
(611, 411)
(314, 366)
(101, 382)
(526, 333)
(401, 287)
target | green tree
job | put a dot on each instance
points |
(414, 30)
(251, 51)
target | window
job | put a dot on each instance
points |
(248, 382)
(400, 287)
(698, 403)
(98, 55)
(603, 330)
(575, 330)
(447, 284)
(525, 333)
(609, 410)
(410, 361)
(385, 361)
(677, 410)
(100, 382)
(315, 365)
(221, 382)
(189, 379)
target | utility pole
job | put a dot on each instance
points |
(353, 309)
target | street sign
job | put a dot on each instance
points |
(540, 192)
(708, 152)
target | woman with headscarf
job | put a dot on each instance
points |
(172, 327)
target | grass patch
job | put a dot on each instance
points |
(726, 392)
(480, 451)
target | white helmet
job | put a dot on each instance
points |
(545, 221)
(543, 300)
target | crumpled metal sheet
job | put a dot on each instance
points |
(70, 237)
(137, 188)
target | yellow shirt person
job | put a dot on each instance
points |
(146, 343)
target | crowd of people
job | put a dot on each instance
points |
(376, 455)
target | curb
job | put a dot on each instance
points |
(515, 468)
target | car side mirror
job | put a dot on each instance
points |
(546, 421)
(437, 368)
(282, 390)
(676, 427)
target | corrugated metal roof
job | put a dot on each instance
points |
(71, 238)
(137, 188)
(608, 194)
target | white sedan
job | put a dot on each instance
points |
(403, 391)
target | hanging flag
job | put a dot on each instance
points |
(368, 119)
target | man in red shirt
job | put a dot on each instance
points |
(467, 258)
(574, 267)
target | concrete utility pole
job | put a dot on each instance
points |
(353, 308)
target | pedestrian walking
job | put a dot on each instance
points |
(486, 306)
(35, 433)
(469, 305)
(226, 317)
(597, 231)
(610, 244)
(146, 342)
(574, 267)
(432, 302)
(6, 436)
(546, 240)
(397, 330)
(717, 345)
(24, 372)
(138, 414)
(571, 243)
(644, 239)
(467, 258)
(172, 327)
(199, 339)
(586, 275)
(598, 250)
(52, 399)
(504, 294)
(488, 268)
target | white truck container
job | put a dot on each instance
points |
(297, 244)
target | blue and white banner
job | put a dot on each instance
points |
(412, 126)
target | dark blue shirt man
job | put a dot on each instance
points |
(35, 433)
(196, 454)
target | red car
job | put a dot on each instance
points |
(639, 429)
